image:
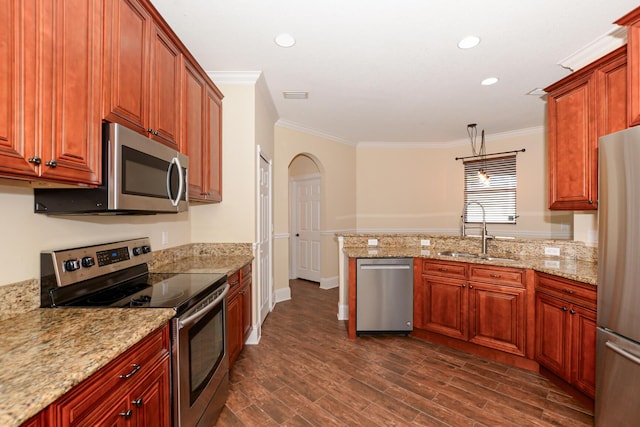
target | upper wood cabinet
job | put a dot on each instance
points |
(582, 107)
(632, 22)
(201, 137)
(50, 79)
(142, 73)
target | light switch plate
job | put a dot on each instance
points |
(552, 251)
(425, 242)
(372, 242)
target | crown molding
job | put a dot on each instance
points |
(235, 77)
(300, 128)
(494, 136)
(602, 45)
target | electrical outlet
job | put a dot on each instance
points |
(165, 237)
(372, 242)
(552, 251)
(425, 242)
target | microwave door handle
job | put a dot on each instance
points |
(176, 162)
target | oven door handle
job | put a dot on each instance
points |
(190, 320)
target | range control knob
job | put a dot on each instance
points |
(137, 251)
(71, 265)
(146, 249)
(87, 262)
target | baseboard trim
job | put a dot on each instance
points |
(343, 311)
(329, 283)
(283, 294)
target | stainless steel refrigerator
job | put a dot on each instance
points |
(618, 337)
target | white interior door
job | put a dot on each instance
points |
(264, 250)
(307, 233)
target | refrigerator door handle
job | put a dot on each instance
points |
(624, 353)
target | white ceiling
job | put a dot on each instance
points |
(391, 71)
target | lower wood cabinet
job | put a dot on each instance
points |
(566, 330)
(132, 390)
(238, 312)
(483, 304)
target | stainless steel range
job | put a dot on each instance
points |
(116, 275)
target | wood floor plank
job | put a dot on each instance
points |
(306, 372)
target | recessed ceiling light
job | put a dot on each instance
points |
(284, 40)
(489, 81)
(295, 95)
(469, 42)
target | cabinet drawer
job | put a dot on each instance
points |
(445, 269)
(497, 275)
(234, 284)
(245, 271)
(569, 290)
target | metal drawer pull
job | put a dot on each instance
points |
(568, 291)
(572, 311)
(443, 269)
(135, 369)
(470, 286)
(495, 276)
(137, 402)
(565, 309)
(624, 353)
(126, 414)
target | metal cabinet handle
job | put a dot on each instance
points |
(572, 311)
(126, 414)
(35, 160)
(590, 202)
(442, 269)
(568, 291)
(137, 402)
(135, 369)
(495, 276)
(464, 286)
(470, 286)
(52, 163)
(565, 309)
(242, 292)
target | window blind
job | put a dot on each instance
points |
(498, 196)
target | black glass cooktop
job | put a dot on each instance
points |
(153, 290)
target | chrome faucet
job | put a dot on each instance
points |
(485, 235)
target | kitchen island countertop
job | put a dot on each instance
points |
(46, 352)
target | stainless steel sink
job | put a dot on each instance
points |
(458, 254)
(474, 256)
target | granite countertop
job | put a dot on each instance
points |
(45, 352)
(581, 271)
(205, 264)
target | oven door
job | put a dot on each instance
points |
(200, 362)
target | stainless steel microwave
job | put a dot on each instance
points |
(139, 176)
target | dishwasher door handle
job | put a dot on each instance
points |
(384, 267)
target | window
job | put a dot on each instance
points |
(497, 196)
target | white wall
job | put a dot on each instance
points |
(421, 187)
(24, 234)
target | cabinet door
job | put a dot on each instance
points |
(18, 59)
(73, 152)
(552, 335)
(583, 349)
(150, 400)
(234, 328)
(632, 22)
(246, 308)
(497, 317)
(611, 89)
(164, 103)
(571, 108)
(193, 91)
(212, 174)
(127, 61)
(445, 306)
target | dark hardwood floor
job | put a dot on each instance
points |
(306, 372)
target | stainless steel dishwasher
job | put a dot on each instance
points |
(384, 295)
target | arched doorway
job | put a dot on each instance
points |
(305, 207)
